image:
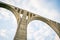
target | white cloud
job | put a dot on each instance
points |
(3, 32)
(45, 9)
(7, 15)
(0, 17)
(56, 37)
(43, 32)
(35, 3)
(6, 34)
(4, 13)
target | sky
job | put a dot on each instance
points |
(36, 30)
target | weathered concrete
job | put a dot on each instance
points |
(21, 33)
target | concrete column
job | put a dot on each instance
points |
(21, 33)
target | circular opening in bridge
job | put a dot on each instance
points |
(8, 24)
(38, 30)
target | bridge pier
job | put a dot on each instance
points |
(21, 33)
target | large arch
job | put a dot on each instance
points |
(54, 25)
(6, 6)
(39, 28)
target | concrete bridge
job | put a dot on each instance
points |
(21, 33)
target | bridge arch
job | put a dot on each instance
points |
(8, 7)
(52, 24)
(36, 29)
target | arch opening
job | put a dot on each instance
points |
(38, 30)
(8, 24)
(51, 23)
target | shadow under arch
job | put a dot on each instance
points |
(51, 23)
(8, 7)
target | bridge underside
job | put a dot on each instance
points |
(21, 33)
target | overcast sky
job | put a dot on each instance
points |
(37, 30)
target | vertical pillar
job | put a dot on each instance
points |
(30, 15)
(28, 18)
(21, 33)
